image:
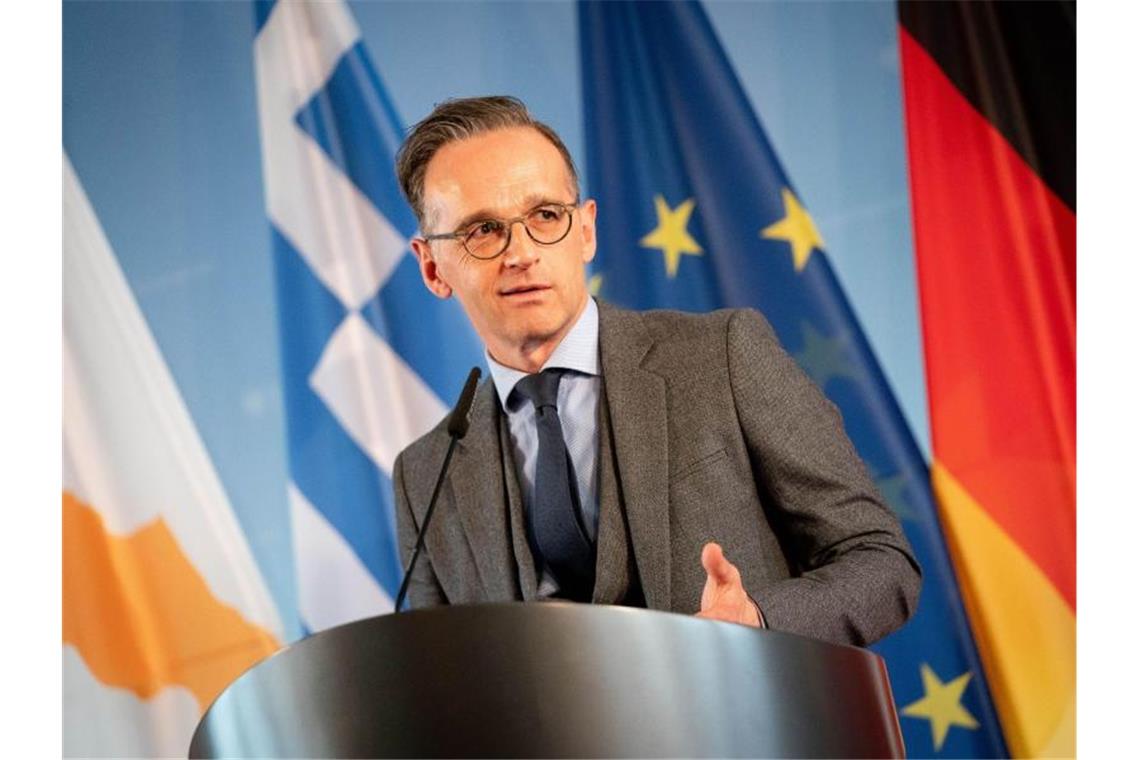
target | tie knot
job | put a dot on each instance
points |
(541, 389)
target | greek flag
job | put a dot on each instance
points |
(367, 361)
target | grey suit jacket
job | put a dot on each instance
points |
(718, 436)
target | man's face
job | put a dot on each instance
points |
(530, 296)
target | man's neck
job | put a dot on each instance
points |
(531, 355)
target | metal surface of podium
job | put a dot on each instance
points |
(554, 680)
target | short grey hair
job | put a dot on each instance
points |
(457, 119)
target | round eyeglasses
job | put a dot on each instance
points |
(546, 224)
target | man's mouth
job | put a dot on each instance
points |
(519, 290)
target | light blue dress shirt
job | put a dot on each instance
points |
(578, 395)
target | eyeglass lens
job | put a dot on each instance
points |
(545, 224)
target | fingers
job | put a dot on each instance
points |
(724, 597)
(712, 556)
(719, 569)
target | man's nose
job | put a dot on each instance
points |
(521, 250)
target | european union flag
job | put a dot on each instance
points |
(696, 213)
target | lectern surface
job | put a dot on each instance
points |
(554, 680)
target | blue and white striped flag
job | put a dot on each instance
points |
(368, 363)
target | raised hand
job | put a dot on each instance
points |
(724, 597)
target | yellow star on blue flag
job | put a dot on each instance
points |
(941, 705)
(797, 228)
(671, 235)
(824, 358)
(893, 489)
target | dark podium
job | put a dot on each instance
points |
(554, 680)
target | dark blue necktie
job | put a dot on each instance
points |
(556, 515)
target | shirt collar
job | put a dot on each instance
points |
(578, 351)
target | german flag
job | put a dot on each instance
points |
(990, 104)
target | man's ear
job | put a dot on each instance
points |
(429, 270)
(588, 212)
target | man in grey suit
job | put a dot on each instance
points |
(620, 457)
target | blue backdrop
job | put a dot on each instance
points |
(160, 122)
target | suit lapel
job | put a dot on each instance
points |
(477, 490)
(612, 569)
(637, 408)
(516, 513)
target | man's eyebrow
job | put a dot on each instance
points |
(529, 202)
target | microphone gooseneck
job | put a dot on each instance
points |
(460, 418)
(457, 425)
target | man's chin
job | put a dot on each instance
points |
(536, 331)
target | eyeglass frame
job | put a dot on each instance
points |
(509, 224)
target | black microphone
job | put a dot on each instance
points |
(457, 425)
(460, 418)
